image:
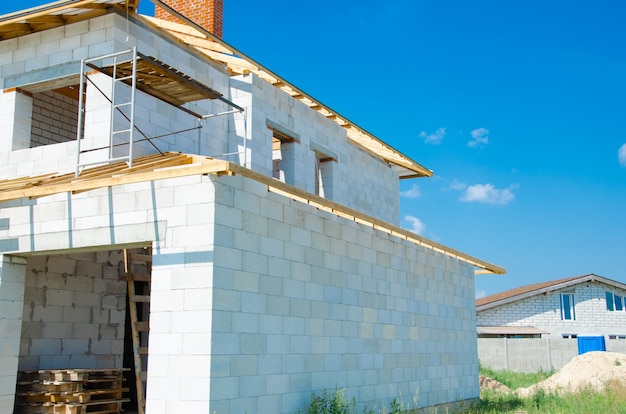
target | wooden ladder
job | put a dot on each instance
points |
(137, 271)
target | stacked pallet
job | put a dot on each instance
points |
(70, 391)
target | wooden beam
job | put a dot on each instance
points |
(48, 19)
(39, 11)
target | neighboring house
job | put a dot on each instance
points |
(558, 312)
(144, 161)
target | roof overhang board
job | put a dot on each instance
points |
(55, 14)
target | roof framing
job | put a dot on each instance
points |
(171, 165)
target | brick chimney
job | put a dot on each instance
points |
(206, 13)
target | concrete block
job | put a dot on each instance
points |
(244, 365)
(225, 388)
(195, 389)
(189, 321)
(245, 323)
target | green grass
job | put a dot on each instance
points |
(516, 380)
(612, 400)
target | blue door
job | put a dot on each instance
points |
(590, 343)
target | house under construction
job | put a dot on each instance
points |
(170, 206)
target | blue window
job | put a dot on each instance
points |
(610, 306)
(615, 302)
(567, 307)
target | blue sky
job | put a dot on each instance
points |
(519, 108)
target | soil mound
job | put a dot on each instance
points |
(592, 370)
(487, 383)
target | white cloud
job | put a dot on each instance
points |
(480, 294)
(621, 155)
(457, 185)
(413, 192)
(435, 138)
(480, 136)
(417, 226)
(487, 193)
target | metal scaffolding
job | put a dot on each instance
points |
(153, 77)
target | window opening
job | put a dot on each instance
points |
(323, 175)
(567, 307)
(283, 157)
(569, 336)
(54, 116)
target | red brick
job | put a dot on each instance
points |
(206, 13)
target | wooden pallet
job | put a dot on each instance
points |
(71, 391)
(71, 375)
(99, 407)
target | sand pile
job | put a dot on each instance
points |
(593, 370)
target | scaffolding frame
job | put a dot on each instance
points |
(157, 80)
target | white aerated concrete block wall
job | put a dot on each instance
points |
(544, 312)
(259, 300)
(304, 300)
(360, 180)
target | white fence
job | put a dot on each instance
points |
(533, 355)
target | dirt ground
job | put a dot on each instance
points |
(593, 370)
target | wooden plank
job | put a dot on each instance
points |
(206, 167)
(35, 13)
(142, 326)
(138, 257)
(136, 277)
(141, 298)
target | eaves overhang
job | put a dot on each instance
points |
(55, 14)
